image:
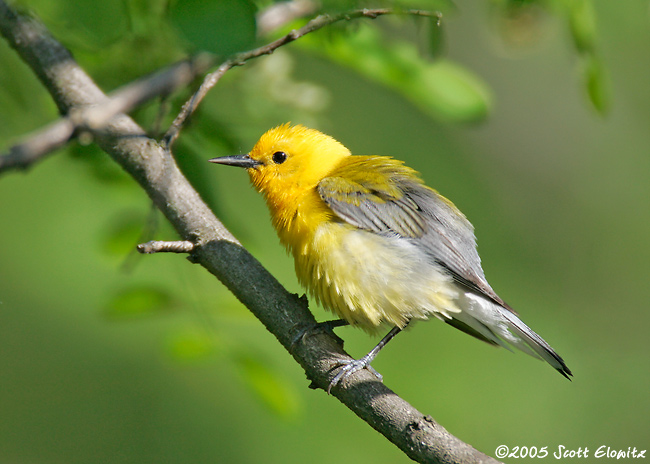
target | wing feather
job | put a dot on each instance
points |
(382, 195)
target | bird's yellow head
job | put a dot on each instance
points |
(288, 160)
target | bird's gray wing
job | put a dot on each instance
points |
(413, 211)
(368, 208)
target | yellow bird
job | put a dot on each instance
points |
(375, 246)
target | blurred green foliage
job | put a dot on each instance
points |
(109, 356)
(441, 88)
(222, 26)
(138, 302)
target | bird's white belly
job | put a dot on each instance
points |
(369, 279)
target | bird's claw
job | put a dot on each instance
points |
(350, 367)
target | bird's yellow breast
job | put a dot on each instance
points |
(364, 278)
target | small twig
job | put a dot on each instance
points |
(156, 246)
(39, 144)
(239, 59)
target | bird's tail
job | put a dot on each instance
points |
(494, 324)
(536, 343)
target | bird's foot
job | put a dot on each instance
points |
(326, 327)
(350, 367)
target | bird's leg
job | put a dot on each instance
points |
(318, 328)
(351, 367)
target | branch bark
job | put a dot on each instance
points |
(284, 314)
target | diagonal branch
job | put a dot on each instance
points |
(55, 135)
(284, 314)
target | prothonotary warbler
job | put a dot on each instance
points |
(374, 245)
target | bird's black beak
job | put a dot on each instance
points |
(242, 161)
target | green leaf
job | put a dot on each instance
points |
(582, 22)
(219, 26)
(597, 85)
(138, 302)
(436, 38)
(274, 391)
(453, 92)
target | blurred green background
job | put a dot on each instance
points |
(533, 122)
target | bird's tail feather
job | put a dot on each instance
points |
(497, 325)
(536, 343)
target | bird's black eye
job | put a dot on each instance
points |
(279, 157)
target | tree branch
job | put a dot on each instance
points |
(156, 246)
(284, 314)
(44, 141)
